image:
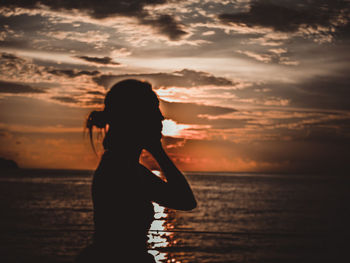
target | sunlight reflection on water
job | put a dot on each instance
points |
(158, 236)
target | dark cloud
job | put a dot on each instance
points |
(65, 99)
(94, 101)
(225, 123)
(9, 56)
(81, 100)
(326, 92)
(185, 78)
(16, 88)
(94, 8)
(324, 131)
(164, 24)
(304, 156)
(289, 16)
(13, 67)
(72, 73)
(98, 60)
(97, 93)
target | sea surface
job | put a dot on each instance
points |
(46, 216)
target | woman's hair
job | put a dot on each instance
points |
(127, 102)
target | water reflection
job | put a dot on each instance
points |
(160, 238)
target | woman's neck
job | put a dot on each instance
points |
(122, 145)
(125, 153)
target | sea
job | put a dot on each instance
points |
(46, 217)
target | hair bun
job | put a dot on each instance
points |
(96, 118)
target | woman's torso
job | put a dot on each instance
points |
(123, 212)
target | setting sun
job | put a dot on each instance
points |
(171, 128)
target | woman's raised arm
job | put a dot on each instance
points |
(176, 192)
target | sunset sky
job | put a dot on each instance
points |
(244, 85)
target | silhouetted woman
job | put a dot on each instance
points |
(122, 188)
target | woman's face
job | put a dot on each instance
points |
(153, 125)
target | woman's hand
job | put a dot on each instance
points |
(154, 147)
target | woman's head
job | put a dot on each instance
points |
(132, 113)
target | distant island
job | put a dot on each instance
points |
(6, 164)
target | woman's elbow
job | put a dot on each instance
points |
(193, 204)
(189, 205)
(184, 201)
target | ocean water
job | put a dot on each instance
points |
(46, 216)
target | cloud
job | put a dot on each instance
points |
(277, 55)
(16, 88)
(98, 60)
(65, 99)
(98, 38)
(17, 69)
(271, 39)
(166, 25)
(9, 56)
(52, 76)
(6, 32)
(97, 93)
(93, 8)
(278, 17)
(259, 57)
(10, 60)
(288, 17)
(72, 73)
(84, 100)
(184, 78)
(326, 92)
(93, 102)
(163, 23)
(313, 19)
